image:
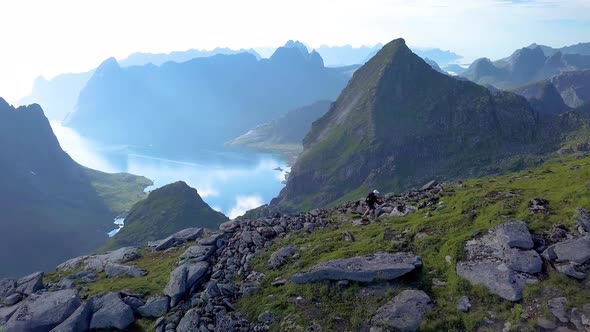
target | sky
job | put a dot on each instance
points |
(41, 37)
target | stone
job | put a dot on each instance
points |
(7, 312)
(31, 283)
(404, 313)
(211, 239)
(133, 302)
(118, 270)
(43, 312)
(498, 279)
(163, 244)
(514, 234)
(189, 322)
(546, 324)
(557, 308)
(575, 250)
(309, 227)
(527, 261)
(65, 283)
(156, 306)
(229, 226)
(281, 257)
(177, 285)
(123, 255)
(195, 272)
(197, 253)
(13, 299)
(79, 320)
(463, 304)
(110, 312)
(188, 234)
(7, 288)
(569, 270)
(583, 219)
(378, 266)
(71, 264)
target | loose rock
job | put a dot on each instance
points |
(405, 312)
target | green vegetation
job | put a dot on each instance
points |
(472, 206)
(167, 210)
(119, 191)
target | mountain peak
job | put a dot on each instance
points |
(107, 65)
(4, 106)
(298, 45)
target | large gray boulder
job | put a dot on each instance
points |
(118, 270)
(182, 279)
(110, 312)
(501, 260)
(79, 320)
(189, 322)
(30, 284)
(7, 312)
(189, 234)
(122, 255)
(404, 313)
(513, 234)
(378, 266)
(281, 257)
(42, 312)
(7, 288)
(156, 306)
(197, 253)
(72, 264)
(567, 256)
(499, 279)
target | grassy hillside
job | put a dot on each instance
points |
(472, 207)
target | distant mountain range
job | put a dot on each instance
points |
(580, 48)
(165, 211)
(48, 199)
(204, 101)
(399, 123)
(524, 66)
(140, 59)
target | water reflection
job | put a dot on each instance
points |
(230, 180)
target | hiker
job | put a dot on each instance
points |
(371, 200)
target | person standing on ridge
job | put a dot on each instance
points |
(371, 200)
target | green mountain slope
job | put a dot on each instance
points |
(49, 200)
(165, 211)
(399, 122)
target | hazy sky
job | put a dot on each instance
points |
(42, 37)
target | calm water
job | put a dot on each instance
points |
(229, 180)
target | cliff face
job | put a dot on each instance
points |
(398, 122)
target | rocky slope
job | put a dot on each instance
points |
(510, 253)
(199, 100)
(47, 198)
(524, 66)
(166, 210)
(399, 122)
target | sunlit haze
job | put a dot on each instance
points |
(52, 37)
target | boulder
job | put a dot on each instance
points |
(43, 312)
(514, 234)
(188, 234)
(13, 299)
(195, 272)
(404, 313)
(557, 308)
(71, 264)
(498, 279)
(189, 322)
(110, 312)
(498, 262)
(79, 320)
(429, 185)
(569, 270)
(177, 285)
(575, 250)
(163, 244)
(281, 256)
(197, 253)
(538, 205)
(133, 302)
(378, 266)
(123, 255)
(229, 226)
(65, 283)
(118, 270)
(31, 283)
(7, 288)
(156, 306)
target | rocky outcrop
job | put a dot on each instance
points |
(30, 284)
(185, 235)
(378, 266)
(79, 320)
(570, 257)
(118, 270)
(97, 263)
(404, 313)
(156, 306)
(281, 257)
(110, 312)
(502, 260)
(42, 312)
